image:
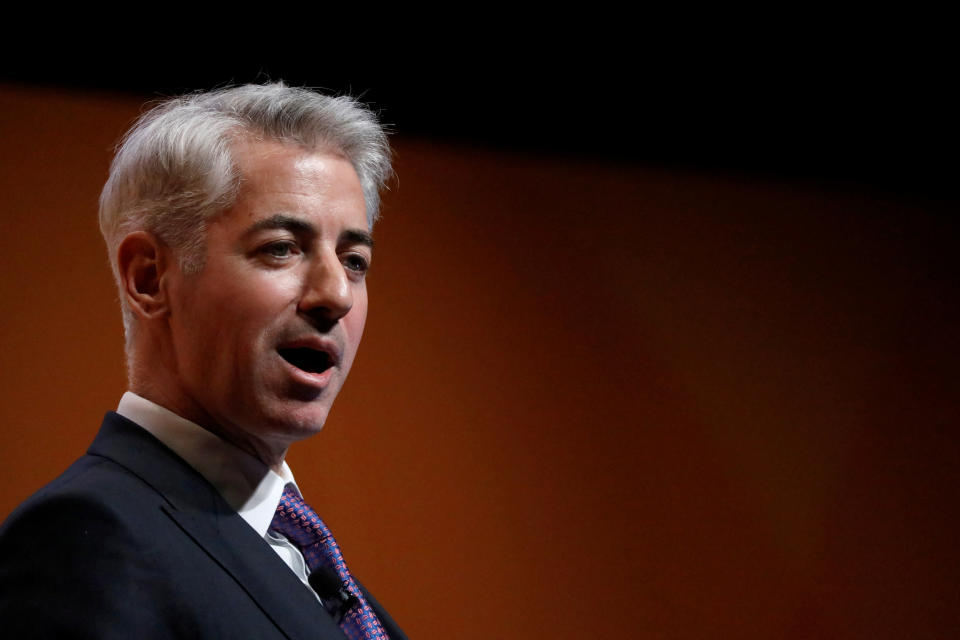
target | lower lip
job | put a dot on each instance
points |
(319, 380)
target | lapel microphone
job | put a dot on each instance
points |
(333, 594)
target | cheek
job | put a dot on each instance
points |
(356, 326)
(255, 304)
(241, 321)
(357, 317)
(354, 323)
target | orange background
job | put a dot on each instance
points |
(593, 400)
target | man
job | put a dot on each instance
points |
(238, 227)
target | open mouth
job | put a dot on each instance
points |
(310, 360)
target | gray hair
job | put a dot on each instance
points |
(174, 170)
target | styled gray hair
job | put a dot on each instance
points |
(173, 170)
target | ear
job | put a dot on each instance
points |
(143, 261)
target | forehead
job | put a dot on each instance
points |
(277, 178)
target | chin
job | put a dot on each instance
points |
(298, 422)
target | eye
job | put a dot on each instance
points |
(355, 262)
(281, 250)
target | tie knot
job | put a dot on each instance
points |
(297, 521)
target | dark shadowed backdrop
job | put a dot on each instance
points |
(606, 390)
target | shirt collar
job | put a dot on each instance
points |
(247, 485)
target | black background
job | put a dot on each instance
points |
(863, 103)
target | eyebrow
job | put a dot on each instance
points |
(356, 236)
(298, 225)
(285, 222)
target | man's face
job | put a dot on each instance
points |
(263, 337)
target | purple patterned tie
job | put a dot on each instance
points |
(304, 528)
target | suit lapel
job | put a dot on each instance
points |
(239, 551)
(206, 519)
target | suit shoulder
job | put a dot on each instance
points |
(93, 481)
(82, 548)
(93, 509)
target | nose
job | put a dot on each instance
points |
(327, 295)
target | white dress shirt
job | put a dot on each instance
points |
(247, 485)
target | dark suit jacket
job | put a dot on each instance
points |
(132, 542)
